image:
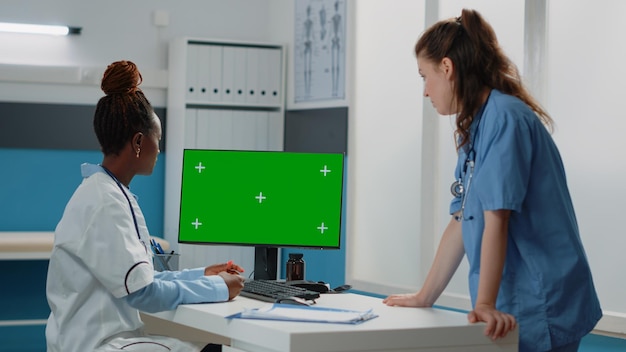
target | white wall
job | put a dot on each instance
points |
(586, 99)
(393, 229)
(114, 30)
(383, 245)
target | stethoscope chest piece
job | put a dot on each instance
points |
(457, 188)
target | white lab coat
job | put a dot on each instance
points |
(98, 258)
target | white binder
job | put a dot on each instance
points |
(262, 130)
(240, 74)
(228, 74)
(203, 66)
(215, 73)
(275, 132)
(252, 75)
(190, 128)
(263, 76)
(275, 76)
(244, 129)
(192, 73)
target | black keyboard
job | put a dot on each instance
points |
(273, 291)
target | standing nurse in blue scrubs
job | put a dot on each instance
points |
(512, 214)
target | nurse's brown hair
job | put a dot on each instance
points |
(479, 63)
(124, 110)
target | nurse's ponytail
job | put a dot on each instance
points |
(479, 62)
(124, 110)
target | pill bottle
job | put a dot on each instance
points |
(295, 267)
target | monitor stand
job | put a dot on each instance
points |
(265, 263)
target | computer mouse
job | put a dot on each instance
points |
(342, 288)
(294, 301)
(310, 285)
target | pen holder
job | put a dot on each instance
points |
(165, 262)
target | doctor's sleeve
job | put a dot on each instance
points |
(163, 295)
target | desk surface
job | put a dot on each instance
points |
(396, 328)
(34, 245)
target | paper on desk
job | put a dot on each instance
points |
(291, 312)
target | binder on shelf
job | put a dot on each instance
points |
(303, 313)
(215, 73)
(228, 74)
(192, 72)
(275, 130)
(245, 129)
(252, 75)
(240, 74)
(191, 120)
(203, 80)
(275, 76)
(264, 75)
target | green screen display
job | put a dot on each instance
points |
(261, 198)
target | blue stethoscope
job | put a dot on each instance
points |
(461, 187)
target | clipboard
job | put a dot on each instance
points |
(301, 313)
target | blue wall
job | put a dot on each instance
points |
(37, 183)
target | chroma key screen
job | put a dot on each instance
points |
(261, 198)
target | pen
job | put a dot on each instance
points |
(161, 251)
(229, 268)
(169, 257)
(156, 248)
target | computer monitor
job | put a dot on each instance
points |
(261, 198)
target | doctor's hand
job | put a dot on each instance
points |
(407, 300)
(498, 323)
(234, 282)
(228, 267)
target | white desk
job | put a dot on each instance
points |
(396, 329)
(25, 245)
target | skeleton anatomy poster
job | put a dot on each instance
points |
(319, 50)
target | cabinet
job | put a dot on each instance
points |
(221, 95)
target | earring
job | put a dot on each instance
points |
(138, 151)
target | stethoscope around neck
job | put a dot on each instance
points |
(461, 187)
(132, 211)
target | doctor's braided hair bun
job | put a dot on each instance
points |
(124, 110)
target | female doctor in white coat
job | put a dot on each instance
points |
(101, 273)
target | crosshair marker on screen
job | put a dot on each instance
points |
(260, 197)
(196, 223)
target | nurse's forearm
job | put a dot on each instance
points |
(493, 255)
(449, 255)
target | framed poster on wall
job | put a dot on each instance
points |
(319, 52)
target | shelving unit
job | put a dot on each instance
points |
(221, 95)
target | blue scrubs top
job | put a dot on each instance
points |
(546, 282)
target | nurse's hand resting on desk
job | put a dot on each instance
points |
(407, 300)
(498, 323)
